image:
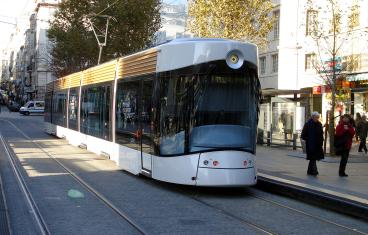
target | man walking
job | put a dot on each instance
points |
(312, 133)
(362, 130)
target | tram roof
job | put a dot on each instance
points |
(175, 54)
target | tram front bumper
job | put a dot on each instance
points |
(216, 177)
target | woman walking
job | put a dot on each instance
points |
(344, 137)
(312, 133)
(362, 131)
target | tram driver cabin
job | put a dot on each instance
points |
(183, 112)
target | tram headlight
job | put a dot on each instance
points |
(234, 59)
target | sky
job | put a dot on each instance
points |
(13, 11)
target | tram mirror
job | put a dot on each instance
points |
(234, 59)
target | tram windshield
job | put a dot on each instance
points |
(215, 109)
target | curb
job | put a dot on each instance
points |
(340, 202)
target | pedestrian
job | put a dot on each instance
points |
(358, 118)
(362, 131)
(343, 140)
(312, 134)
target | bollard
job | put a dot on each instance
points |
(295, 136)
(268, 138)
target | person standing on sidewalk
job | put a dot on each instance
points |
(312, 134)
(344, 134)
(358, 119)
(361, 132)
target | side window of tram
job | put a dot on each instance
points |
(48, 98)
(146, 117)
(95, 112)
(172, 115)
(73, 109)
(127, 114)
(59, 108)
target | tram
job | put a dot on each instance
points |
(184, 112)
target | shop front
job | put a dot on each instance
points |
(359, 90)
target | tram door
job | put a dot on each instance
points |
(145, 112)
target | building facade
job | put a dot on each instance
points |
(174, 19)
(295, 68)
(28, 54)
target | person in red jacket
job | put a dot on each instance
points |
(346, 131)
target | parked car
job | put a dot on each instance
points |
(13, 106)
(33, 107)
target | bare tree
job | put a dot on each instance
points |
(324, 24)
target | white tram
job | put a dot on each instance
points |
(183, 112)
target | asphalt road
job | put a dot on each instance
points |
(67, 206)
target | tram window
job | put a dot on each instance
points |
(127, 122)
(172, 115)
(73, 108)
(95, 111)
(222, 112)
(59, 108)
(146, 117)
(48, 108)
(207, 107)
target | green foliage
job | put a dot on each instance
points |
(234, 19)
(74, 44)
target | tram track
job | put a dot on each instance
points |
(41, 224)
(193, 194)
(275, 203)
(35, 212)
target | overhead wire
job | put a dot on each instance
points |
(108, 6)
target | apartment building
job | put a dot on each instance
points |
(294, 65)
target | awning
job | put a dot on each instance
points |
(271, 92)
(357, 77)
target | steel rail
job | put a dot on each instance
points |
(98, 195)
(279, 205)
(40, 222)
(222, 211)
(308, 214)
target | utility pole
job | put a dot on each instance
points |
(101, 35)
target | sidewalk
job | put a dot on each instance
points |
(289, 168)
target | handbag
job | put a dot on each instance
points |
(340, 143)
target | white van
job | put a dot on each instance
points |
(33, 107)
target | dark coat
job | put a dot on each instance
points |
(350, 132)
(313, 135)
(362, 129)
